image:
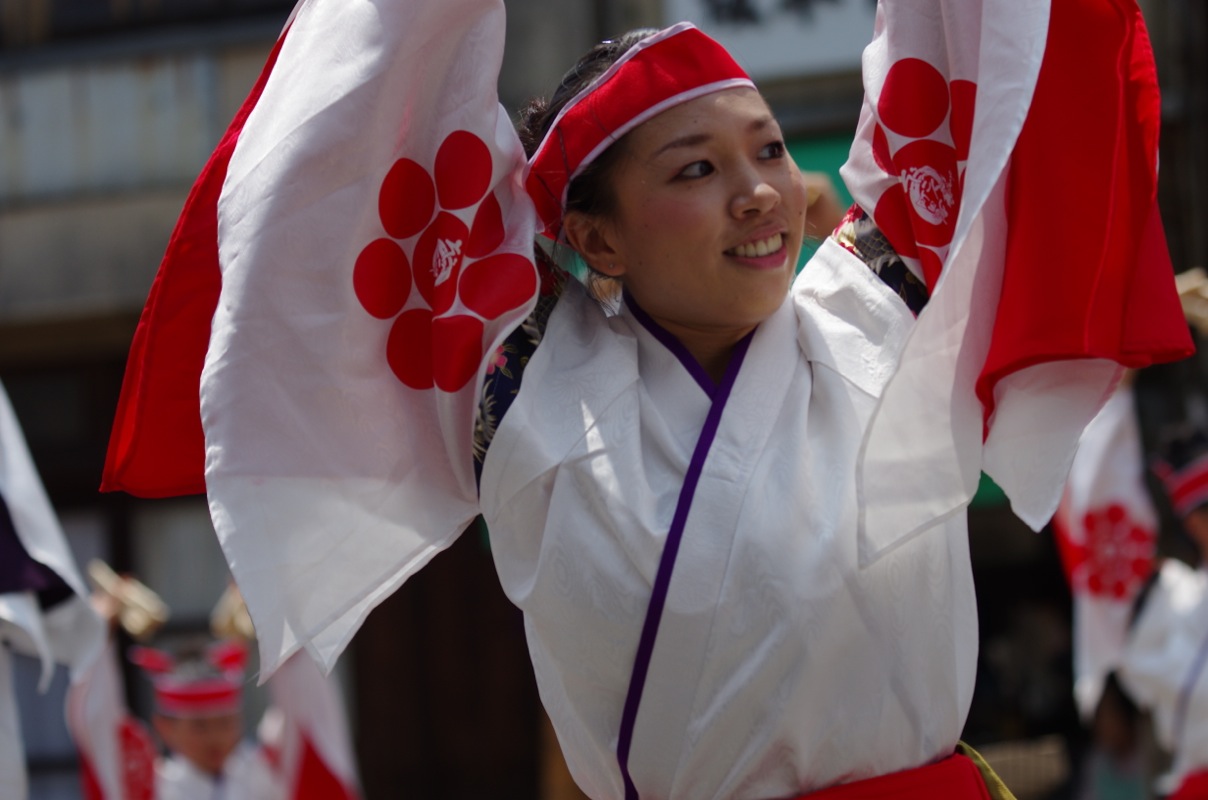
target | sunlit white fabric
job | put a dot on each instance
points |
(780, 666)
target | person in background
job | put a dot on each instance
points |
(1163, 666)
(302, 751)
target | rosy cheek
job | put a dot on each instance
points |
(800, 196)
(678, 217)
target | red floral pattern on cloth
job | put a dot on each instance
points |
(441, 288)
(138, 760)
(1115, 556)
(912, 142)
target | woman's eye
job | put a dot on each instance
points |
(697, 169)
(773, 150)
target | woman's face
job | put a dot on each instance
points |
(710, 215)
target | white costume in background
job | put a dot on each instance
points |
(1164, 667)
(304, 732)
(246, 775)
(779, 665)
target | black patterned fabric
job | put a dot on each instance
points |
(858, 234)
(506, 367)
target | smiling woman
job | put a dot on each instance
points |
(701, 524)
(709, 221)
(703, 527)
(744, 573)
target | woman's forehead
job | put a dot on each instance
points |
(740, 110)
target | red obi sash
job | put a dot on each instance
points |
(1193, 787)
(954, 778)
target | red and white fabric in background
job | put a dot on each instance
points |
(1020, 182)
(117, 756)
(68, 632)
(305, 732)
(1107, 529)
(375, 244)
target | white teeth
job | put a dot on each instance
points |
(760, 248)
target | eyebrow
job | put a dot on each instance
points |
(692, 140)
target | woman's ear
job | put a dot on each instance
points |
(592, 238)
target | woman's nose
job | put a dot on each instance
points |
(753, 195)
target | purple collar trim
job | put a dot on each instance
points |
(674, 345)
(719, 393)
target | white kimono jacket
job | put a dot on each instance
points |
(1163, 667)
(779, 666)
(246, 776)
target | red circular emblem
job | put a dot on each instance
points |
(1115, 556)
(441, 289)
(918, 214)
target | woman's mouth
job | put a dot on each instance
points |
(760, 248)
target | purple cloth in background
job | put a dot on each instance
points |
(19, 572)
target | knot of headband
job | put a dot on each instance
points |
(663, 70)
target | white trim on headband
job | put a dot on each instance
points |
(653, 111)
(658, 108)
(606, 75)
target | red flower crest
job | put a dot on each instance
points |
(436, 337)
(918, 213)
(1116, 555)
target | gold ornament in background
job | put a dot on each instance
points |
(136, 608)
(230, 618)
(1193, 294)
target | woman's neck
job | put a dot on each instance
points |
(711, 349)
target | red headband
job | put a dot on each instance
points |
(663, 70)
(205, 698)
(1186, 486)
(179, 694)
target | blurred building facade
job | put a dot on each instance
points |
(109, 109)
